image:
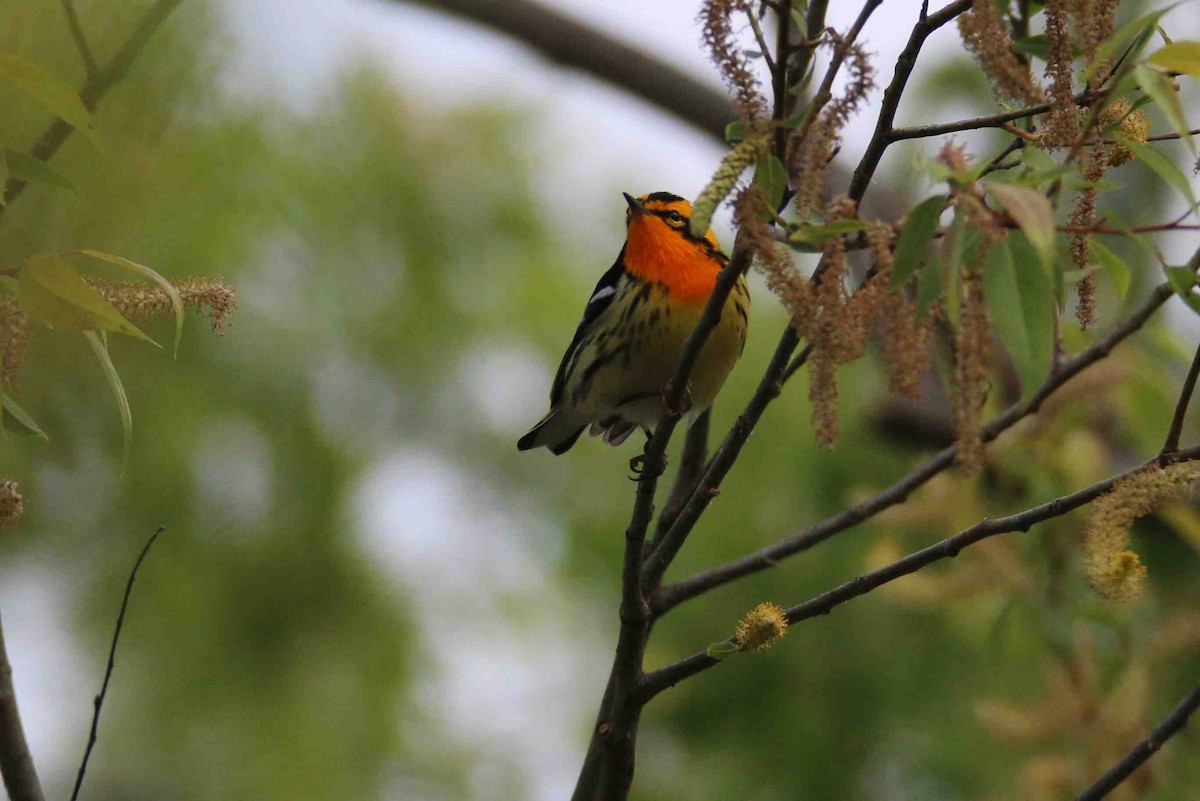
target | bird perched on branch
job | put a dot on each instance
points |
(615, 372)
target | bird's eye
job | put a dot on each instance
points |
(674, 216)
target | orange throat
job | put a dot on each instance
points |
(654, 252)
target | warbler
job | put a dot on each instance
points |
(625, 351)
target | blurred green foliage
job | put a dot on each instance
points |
(391, 263)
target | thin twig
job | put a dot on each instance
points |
(16, 762)
(709, 486)
(1181, 407)
(691, 468)
(761, 39)
(796, 363)
(96, 87)
(1084, 98)
(112, 655)
(1164, 731)
(881, 138)
(85, 52)
(823, 604)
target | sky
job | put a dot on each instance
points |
(590, 143)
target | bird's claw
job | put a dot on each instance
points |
(640, 470)
(685, 400)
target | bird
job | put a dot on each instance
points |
(614, 374)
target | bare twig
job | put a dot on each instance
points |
(709, 486)
(1181, 407)
(881, 138)
(661, 679)
(16, 763)
(1164, 731)
(112, 655)
(85, 52)
(96, 87)
(691, 468)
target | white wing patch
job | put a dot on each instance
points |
(606, 292)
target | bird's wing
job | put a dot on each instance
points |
(601, 298)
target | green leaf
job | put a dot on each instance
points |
(114, 382)
(1181, 279)
(1037, 46)
(913, 242)
(3, 177)
(1160, 88)
(25, 167)
(1034, 213)
(142, 270)
(771, 177)
(721, 650)
(1112, 264)
(9, 285)
(1163, 166)
(815, 234)
(48, 92)
(929, 289)
(734, 133)
(52, 293)
(1178, 57)
(21, 416)
(800, 21)
(1136, 32)
(1020, 301)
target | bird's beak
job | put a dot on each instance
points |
(634, 204)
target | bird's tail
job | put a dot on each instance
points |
(555, 431)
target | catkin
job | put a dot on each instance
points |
(985, 36)
(1114, 571)
(144, 303)
(14, 328)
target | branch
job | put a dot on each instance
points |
(881, 138)
(669, 596)
(709, 486)
(1164, 731)
(974, 123)
(691, 470)
(948, 548)
(617, 771)
(96, 87)
(112, 653)
(1181, 407)
(85, 52)
(16, 763)
(574, 44)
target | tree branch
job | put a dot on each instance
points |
(96, 87)
(574, 44)
(16, 763)
(1164, 731)
(691, 470)
(669, 596)
(616, 771)
(1181, 407)
(823, 604)
(112, 655)
(85, 52)
(881, 138)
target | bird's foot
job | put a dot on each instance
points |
(685, 400)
